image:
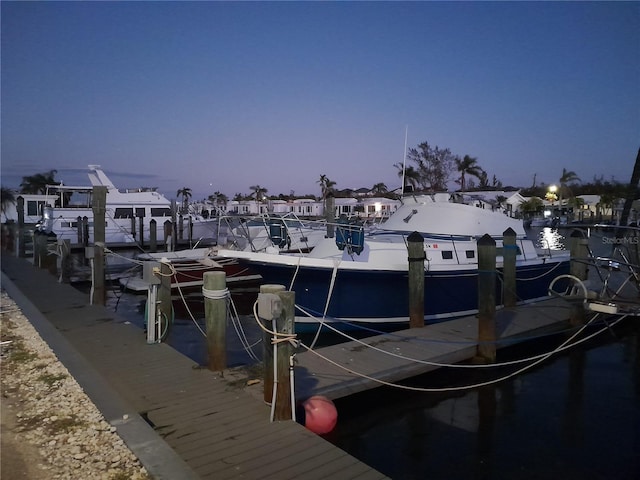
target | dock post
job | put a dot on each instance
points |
(174, 225)
(20, 245)
(268, 347)
(39, 249)
(416, 279)
(487, 299)
(153, 235)
(99, 290)
(99, 234)
(80, 231)
(141, 230)
(168, 236)
(329, 215)
(579, 251)
(215, 311)
(64, 263)
(133, 228)
(164, 298)
(284, 325)
(85, 231)
(150, 275)
(180, 227)
(509, 251)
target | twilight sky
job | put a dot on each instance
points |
(218, 96)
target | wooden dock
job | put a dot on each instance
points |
(447, 342)
(181, 421)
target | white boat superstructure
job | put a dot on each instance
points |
(277, 234)
(68, 212)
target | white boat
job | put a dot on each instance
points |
(363, 276)
(67, 212)
(277, 234)
(267, 233)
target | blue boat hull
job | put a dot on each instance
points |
(382, 297)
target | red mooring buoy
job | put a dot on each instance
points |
(321, 415)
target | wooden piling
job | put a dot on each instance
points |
(284, 324)
(64, 260)
(153, 235)
(39, 249)
(141, 230)
(133, 228)
(329, 214)
(509, 251)
(267, 353)
(99, 235)
(85, 231)
(164, 299)
(579, 251)
(487, 299)
(20, 243)
(416, 259)
(168, 235)
(174, 225)
(215, 310)
(80, 231)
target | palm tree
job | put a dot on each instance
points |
(566, 177)
(218, 198)
(326, 186)
(467, 166)
(531, 206)
(379, 189)
(606, 203)
(7, 197)
(410, 174)
(185, 192)
(38, 183)
(259, 192)
(577, 203)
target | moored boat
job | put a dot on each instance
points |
(67, 212)
(362, 277)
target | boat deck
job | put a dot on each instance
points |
(182, 421)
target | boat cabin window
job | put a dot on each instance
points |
(34, 207)
(470, 253)
(123, 213)
(140, 212)
(447, 255)
(160, 212)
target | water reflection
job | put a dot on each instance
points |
(554, 421)
(548, 238)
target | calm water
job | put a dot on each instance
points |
(575, 416)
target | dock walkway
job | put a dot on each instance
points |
(181, 421)
(413, 352)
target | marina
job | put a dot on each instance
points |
(445, 411)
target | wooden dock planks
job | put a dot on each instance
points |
(220, 431)
(447, 342)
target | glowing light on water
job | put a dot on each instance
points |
(551, 238)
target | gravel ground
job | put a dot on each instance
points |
(50, 428)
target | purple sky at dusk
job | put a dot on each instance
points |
(219, 96)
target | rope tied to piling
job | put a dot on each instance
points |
(215, 294)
